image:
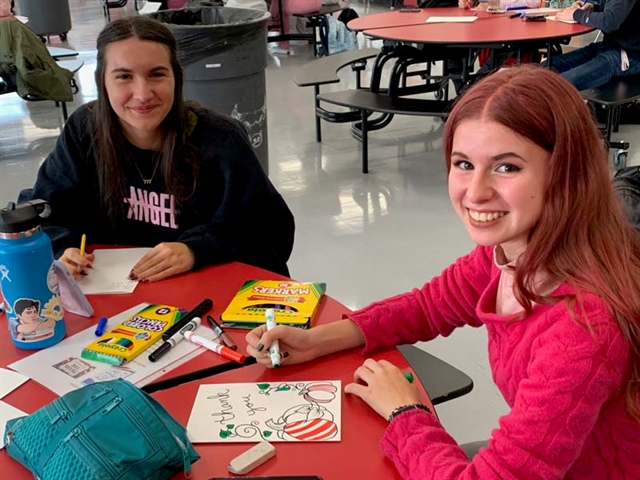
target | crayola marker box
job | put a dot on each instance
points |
(137, 333)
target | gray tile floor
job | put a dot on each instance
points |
(368, 236)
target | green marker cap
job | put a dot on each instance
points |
(409, 376)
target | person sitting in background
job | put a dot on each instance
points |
(290, 7)
(140, 167)
(619, 52)
(502, 57)
(6, 8)
(252, 4)
(555, 279)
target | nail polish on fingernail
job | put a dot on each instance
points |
(259, 347)
(285, 354)
(133, 276)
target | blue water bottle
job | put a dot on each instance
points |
(28, 281)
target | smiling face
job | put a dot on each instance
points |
(497, 183)
(140, 84)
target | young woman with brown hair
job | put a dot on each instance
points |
(555, 280)
(141, 167)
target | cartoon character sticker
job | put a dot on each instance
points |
(28, 325)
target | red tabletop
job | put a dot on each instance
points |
(356, 457)
(219, 283)
(399, 19)
(488, 29)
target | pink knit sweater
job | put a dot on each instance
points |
(563, 383)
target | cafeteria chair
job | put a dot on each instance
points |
(29, 69)
(612, 97)
(443, 382)
(324, 71)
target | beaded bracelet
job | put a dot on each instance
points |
(406, 408)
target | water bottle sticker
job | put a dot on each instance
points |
(4, 273)
(27, 325)
(52, 280)
(53, 308)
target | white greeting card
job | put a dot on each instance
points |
(301, 411)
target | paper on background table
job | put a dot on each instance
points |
(7, 412)
(61, 369)
(451, 19)
(110, 272)
(551, 17)
(297, 411)
(9, 381)
(539, 11)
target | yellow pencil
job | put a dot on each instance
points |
(83, 243)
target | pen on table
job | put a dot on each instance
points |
(172, 341)
(83, 244)
(514, 15)
(215, 346)
(274, 349)
(199, 311)
(217, 328)
(101, 327)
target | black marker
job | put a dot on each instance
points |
(226, 339)
(174, 340)
(199, 311)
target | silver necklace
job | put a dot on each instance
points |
(147, 181)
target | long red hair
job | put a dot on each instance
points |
(582, 236)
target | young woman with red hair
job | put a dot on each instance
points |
(555, 279)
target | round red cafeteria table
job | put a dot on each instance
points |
(488, 29)
(219, 283)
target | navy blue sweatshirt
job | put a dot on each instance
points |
(235, 213)
(618, 19)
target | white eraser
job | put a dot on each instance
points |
(252, 458)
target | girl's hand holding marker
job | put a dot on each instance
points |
(274, 349)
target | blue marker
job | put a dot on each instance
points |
(102, 325)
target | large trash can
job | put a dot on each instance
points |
(50, 17)
(224, 55)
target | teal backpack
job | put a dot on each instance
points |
(103, 431)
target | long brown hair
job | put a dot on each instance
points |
(582, 236)
(178, 159)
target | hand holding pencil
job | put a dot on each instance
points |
(77, 261)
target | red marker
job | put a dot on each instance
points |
(215, 346)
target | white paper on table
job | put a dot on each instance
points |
(22, 18)
(550, 17)
(110, 272)
(9, 381)
(7, 412)
(540, 11)
(297, 411)
(451, 19)
(61, 369)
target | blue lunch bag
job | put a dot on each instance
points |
(104, 431)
